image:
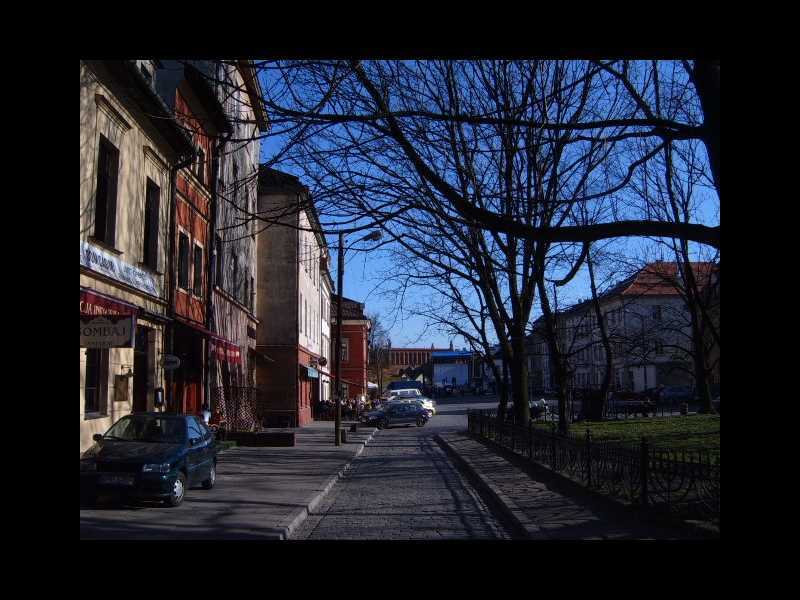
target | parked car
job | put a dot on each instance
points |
(407, 393)
(404, 385)
(404, 413)
(150, 455)
(537, 408)
(373, 416)
(428, 404)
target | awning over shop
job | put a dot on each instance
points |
(94, 303)
(224, 350)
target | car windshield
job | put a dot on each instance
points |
(148, 429)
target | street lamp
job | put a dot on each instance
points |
(372, 236)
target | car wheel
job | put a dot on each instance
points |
(380, 424)
(420, 422)
(212, 477)
(178, 490)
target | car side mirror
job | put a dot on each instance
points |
(97, 437)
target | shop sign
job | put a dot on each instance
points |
(111, 266)
(95, 305)
(110, 331)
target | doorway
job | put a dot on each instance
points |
(140, 363)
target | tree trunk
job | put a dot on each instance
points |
(559, 367)
(606, 383)
(519, 378)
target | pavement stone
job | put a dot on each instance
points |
(261, 493)
(544, 511)
(402, 487)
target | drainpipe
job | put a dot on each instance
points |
(211, 270)
(170, 277)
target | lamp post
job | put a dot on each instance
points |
(373, 236)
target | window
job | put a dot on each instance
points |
(152, 199)
(246, 290)
(183, 261)
(198, 271)
(195, 433)
(302, 314)
(251, 300)
(201, 165)
(219, 261)
(235, 283)
(105, 215)
(345, 350)
(95, 388)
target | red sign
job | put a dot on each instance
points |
(225, 351)
(94, 304)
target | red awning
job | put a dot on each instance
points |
(224, 350)
(94, 303)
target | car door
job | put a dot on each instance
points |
(208, 449)
(393, 415)
(194, 455)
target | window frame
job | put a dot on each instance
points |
(152, 208)
(106, 191)
(197, 272)
(100, 407)
(183, 261)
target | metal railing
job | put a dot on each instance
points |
(685, 483)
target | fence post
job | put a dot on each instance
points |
(644, 460)
(553, 445)
(588, 458)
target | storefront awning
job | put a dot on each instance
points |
(224, 350)
(94, 303)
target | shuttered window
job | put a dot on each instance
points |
(183, 261)
(151, 208)
(197, 284)
(105, 216)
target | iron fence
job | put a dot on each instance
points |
(685, 483)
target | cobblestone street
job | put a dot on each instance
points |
(404, 487)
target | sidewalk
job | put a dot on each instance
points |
(261, 493)
(544, 507)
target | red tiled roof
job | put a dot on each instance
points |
(663, 279)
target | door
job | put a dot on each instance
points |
(140, 363)
(195, 458)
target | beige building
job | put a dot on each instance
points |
(129, 145)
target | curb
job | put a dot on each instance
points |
(525, 527)
(301, 514)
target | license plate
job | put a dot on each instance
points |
(116, 479)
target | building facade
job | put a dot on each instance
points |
(232, 362)
(649, 330)
(189, 94)
(130, 145)
(292, 259)
(354, 352)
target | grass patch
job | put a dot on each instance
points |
(691, 432)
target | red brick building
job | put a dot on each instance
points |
(197, 110)
(355, 330)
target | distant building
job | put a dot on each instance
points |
(452, 367)
(649, 330)
(403, 359)
(291, 300)
(355, 330)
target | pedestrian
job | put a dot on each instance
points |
(206, 412)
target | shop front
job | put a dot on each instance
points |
(119, 367)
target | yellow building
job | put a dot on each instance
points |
(130, 146)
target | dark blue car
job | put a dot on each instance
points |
(150, 455)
